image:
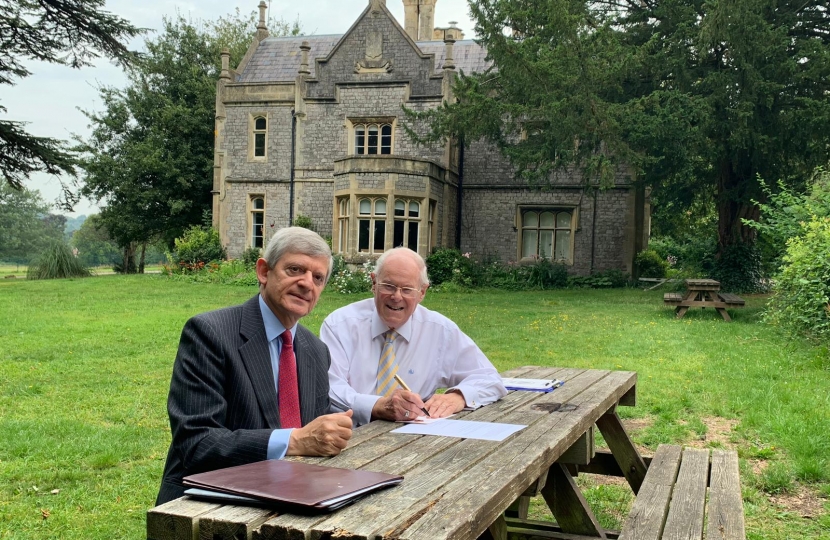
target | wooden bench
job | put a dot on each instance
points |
(672, 501)
(732, 300)
(672, 298)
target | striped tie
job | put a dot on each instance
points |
(387, 367)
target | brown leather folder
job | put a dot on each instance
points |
(293, 483)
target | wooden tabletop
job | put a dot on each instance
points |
(453, 488)
(702, 284)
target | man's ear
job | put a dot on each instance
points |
(262, 271)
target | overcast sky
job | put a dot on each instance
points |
(49, 99)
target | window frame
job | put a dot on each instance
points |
(407, 220)
(540, 209)
(366, 124)
(375, 221)
(253, 133)
(252, 212)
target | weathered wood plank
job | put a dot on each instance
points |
(365, 520)
(725, 513)
(479, 496)
(650, 508)
(582, 451)
(568, 505)
(686, 510)
(232, 522)
(626, 454)
(177, 520)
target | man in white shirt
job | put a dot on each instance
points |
(375, 342)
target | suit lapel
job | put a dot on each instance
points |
(257, 360)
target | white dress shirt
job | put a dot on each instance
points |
(431, 353)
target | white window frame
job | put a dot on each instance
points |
(555, 230)
(253, 133)
(407, 219)
(343, 209)
(253, 213)
(366, 124)
(376, 221)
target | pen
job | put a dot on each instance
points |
(405, 387)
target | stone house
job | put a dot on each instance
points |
(312, 126)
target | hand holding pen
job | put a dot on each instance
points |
(406, 387)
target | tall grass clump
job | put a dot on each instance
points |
(57, 262)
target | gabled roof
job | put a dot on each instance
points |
(277, 59)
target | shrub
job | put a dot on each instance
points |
(304, 222)
(197, 247)
(441, 264)
(739, 269)
(250, 257)
(651, 265)
(347, 281)
(801, 299)
(544, 274)
(57, 262)
(600, 280)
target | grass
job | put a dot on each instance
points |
(85, 367)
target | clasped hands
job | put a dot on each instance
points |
(403, 405)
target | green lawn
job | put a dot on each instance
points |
(85, 366)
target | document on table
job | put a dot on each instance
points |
(465, 429)
(424, 420)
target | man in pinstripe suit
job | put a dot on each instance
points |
(225, 393)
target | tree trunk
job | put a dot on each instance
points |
(734, 204)
(129, 259)
(141, 260)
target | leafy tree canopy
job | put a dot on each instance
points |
(149, 158)
(67, 32)
(26, 226)
(694, 98)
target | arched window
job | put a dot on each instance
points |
(372, 138)
(371, 225)
(257, 222)
(260, 133)
(407, 223)
(546, 234)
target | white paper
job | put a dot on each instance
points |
(531, 384)
(424, 419)
(465, 429)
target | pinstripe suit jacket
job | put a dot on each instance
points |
(222, 402)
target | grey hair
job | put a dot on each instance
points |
(297, 240)
(422, 266)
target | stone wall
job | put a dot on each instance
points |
(277, 165)
(407, 65)
(490, 228)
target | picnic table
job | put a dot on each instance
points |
(703, 293)
(456, 488)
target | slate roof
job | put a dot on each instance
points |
(277, 59)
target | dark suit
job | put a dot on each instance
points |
(223, 403)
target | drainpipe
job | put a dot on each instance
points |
(291, 178)
(460, 192)
(593, 231)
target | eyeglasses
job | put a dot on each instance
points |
(406, 292)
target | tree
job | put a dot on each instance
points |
(695, 97)
(150, 155)
(95, 247)
(26, 226)
(67, 32)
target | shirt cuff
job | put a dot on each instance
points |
(470, 395)
(278, 443)
(362, 407)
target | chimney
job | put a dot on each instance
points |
(410, 18)
(262, 28)
(426, 11)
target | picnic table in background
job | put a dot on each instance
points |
(703, 293)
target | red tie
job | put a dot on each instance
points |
(289, 397)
